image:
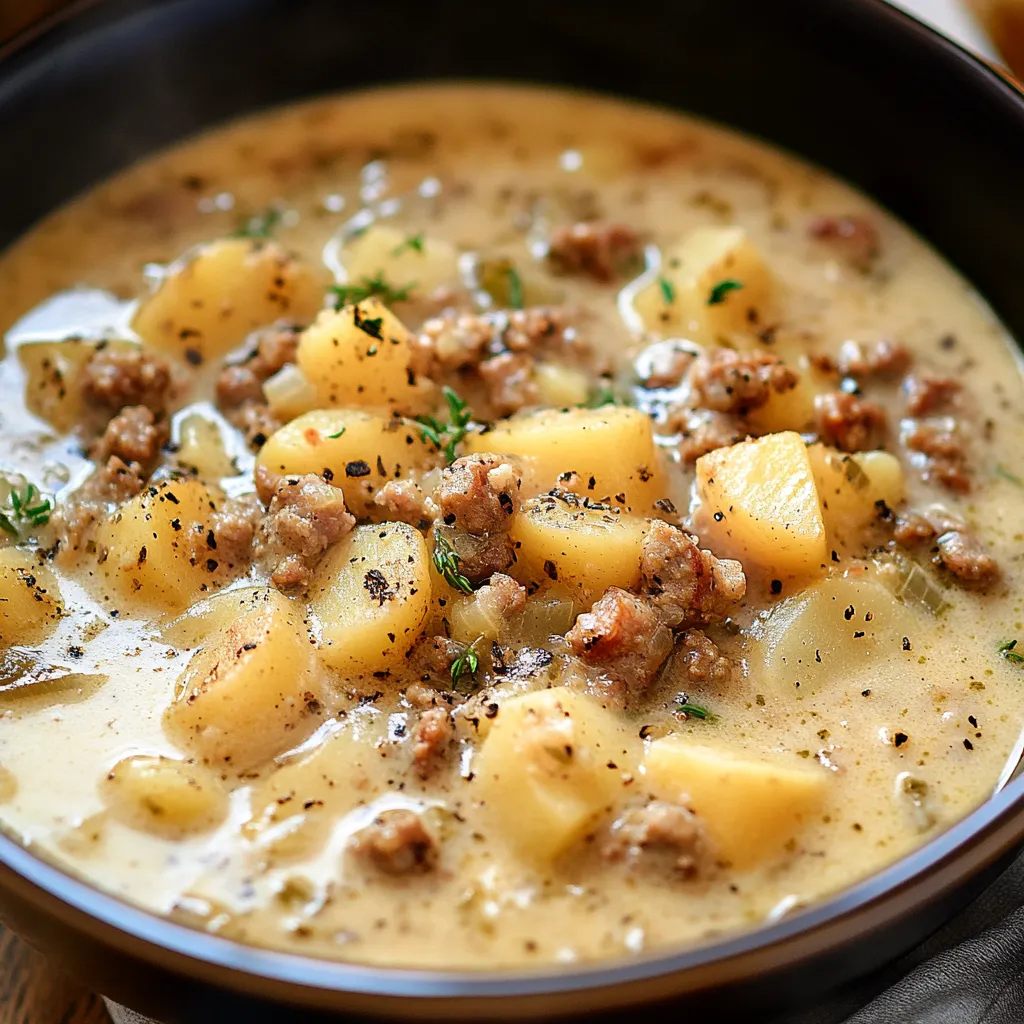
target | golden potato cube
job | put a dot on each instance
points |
(713, 288)
(835, 633)
(413, 262)
(359, 356)
(560, 386)
(153, 551)
(52, 375)
(607, 455)
(356, 450)
(209, 302)
(371, 594)
(252, 690)
(554, 761)
(759, 503)
(750, 807)
(585, 549)
(165, 796)
(30, 599)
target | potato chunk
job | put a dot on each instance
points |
(416, 263)
(356, 450)
(359, 356)
(153, 550)
(851, 487)
(30, 600)
(586, 549)
(52, 374)
(836, 633)
(165, 796)
(750, 807)
(209, 302)
(718, 289)
(371, 594)
(552, 763)
(759, 503)
(607, 454)
(251, 691)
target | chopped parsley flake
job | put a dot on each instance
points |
(668, 290)
(1007, 475)
(696, 711)
(376, 287)
(717, 294)
(414, 243)
(515, 288)
(334, 437)
(1009, 652)
(260, 225)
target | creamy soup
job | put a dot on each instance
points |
(460, 527)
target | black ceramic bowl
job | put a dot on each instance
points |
(917, 123)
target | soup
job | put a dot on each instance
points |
(473, 527)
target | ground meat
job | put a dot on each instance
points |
(849, 423)
(116, 377)
(954, 547)
(703, 433)
(243, 382)
(595, 249)
(883, 359)
(733, 382)
(852, 239)
(306, 515)
(911, 529)
(133, 435)
(663, 364)
(232, 529)
(623, 637)
(236, 386)
(397, 843)
(659, 833)
(479, 494)
(501, 598)
(541, 328)
(683, 583)
(431, 738)
(406, 502)
(701, 659)
(509, 381)
(928, 394)
(944, 460)
(255, 421)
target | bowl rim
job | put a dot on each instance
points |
(988, 834)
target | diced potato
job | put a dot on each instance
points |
(412, 261)
(695, 296)
(8, 785)
(793, 409)
(200, 438)
(289, 393)
(759, 503)
(30, 599)
(850, 488)
(552, 764)
(548, 612)
(560, 387)
(153, 550)
(360, 356)
(371, 594)
(607, 454)
(165, 796)
(211, 615)
(52, 375)
(251, 691)
(836, 633)
(360, 450)
(209, 302)
(587, 550)
(750, 807)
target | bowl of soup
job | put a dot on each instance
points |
(474, 548)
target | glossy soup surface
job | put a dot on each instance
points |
(273, 667)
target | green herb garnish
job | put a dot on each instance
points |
(717, 294)
(412, 242)
(668, 290)
(604, 395)
(466, 664)
(1007, 475)
(1007, 650)
(334, 437)
(260, 225)
(375, 287)
(515, 288)
(696, 711)
(28, 508)
(373, 326)
(446, 436)
(446, 562)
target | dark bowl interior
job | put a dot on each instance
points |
(918, 124)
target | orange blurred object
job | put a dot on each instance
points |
(1003, 20)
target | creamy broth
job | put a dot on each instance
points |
(850, 706)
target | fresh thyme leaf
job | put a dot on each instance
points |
(515, 288)
(668, 290)
(27, 508)
(446, 437)
(696, 711)
(1006, 649)
(1007, 475)
(446, 562)
(466, 664)
(412, 242)
(604, 395)
(334, 437)
(717, 294)
(376, 287)
(260, 225)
